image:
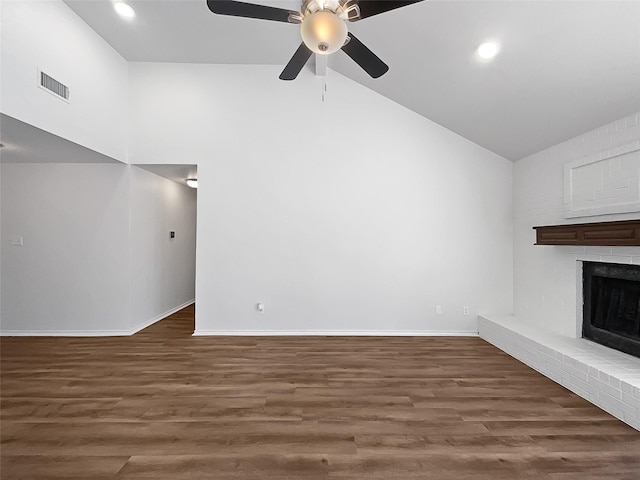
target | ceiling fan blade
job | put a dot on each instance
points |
(296, 63)
(250, 10)
(364, 57)
(369, 8)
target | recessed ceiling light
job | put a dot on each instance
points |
(124, 10)
(488, 50)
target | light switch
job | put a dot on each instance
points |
(16, 241)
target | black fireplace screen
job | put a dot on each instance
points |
(612, 305)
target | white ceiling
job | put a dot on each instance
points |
(24, 143)
(565, 67)
(177, 173)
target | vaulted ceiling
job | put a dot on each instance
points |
(565, 67)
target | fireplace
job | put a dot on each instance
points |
(612, 305)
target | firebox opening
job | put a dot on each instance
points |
(612, 305)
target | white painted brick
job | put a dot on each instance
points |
(611, 404)
(594, 372)
(629, 411)
(598, 250)
(575, 373)
(576, 389)
(610, 408)
(630, 121)
(626, 388)
(631, 420)
(605, 388)
(628, 382)
(556, 354)
(572, 383)
(624, 251)
(617, 259)
(630, 400)
(590, 258)
(603, 377)
(583, 367)
(553, 362)
(545, 279)
(632, 380)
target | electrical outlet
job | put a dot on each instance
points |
(438, 310)
(466, 310)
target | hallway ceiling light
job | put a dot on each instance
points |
(192, 182)
(124, 10)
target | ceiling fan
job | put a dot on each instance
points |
(322, 26)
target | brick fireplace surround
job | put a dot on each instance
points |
(605, 377)
(592, 177)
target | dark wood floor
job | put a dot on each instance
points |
(165, 405)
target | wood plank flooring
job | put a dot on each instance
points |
(165, 405)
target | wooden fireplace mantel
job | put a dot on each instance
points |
(615, 234)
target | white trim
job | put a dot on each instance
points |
(579, 298)
(65, 333)
(570, 167)
(93, 333)
(336, 333)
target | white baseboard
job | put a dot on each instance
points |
(65, 333)
(148, 323)
(93, 333)
(336, 333)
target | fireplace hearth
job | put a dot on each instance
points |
(611, 316)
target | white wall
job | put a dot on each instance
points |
(545, 277)
(162, 269)
(97, 258)
(352, 215)
(50, 36)
(71, 274)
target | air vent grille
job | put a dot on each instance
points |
(54, 86)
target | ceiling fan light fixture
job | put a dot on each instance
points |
(322, 26)
(323, 32)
